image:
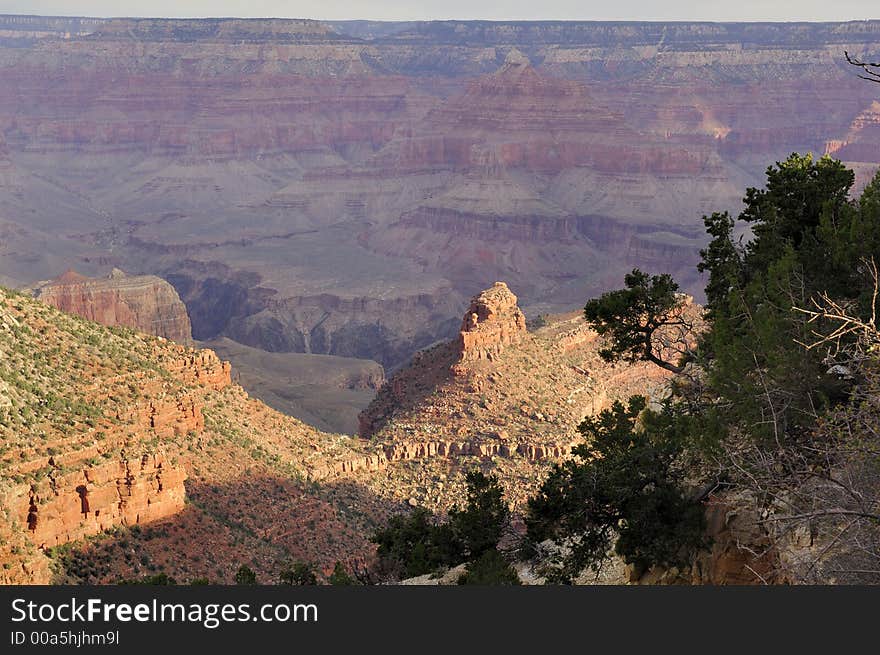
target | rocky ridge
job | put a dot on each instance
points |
(105, 433)
(501, 393)
(108, 430)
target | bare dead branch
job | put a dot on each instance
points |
(871, 71)
(851, 336)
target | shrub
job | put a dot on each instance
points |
(340, 576)
(245, 576)
(491, 568)
(298, 573)
(415, 544)
(623, 489)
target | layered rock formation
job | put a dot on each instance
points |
(141, 302)
(298, 184)
(69, 506)
(492, 322)
(104, 430)
(100, 462)
(501, 391)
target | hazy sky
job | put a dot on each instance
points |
(726, 10)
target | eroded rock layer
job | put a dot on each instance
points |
(342, 188)
(141, 302)
(492, 322)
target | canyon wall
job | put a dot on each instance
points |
(144, 302)
(111, 456)
(298, 183)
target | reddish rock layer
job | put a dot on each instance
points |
(69, 506)
(492, 321)
(341, 180)
(143, 302)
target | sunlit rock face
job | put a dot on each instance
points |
(142, 302)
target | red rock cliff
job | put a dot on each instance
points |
(125, 468)
(141, 302)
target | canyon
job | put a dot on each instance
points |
(330, 206)
(322, 390)
(123, 454)
(342, 188)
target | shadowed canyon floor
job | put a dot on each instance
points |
(321, 390)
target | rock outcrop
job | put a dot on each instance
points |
(141, 302)
(499, 390)
(66, 506)
(105, 452)
(104, 434)
(492, 322)
(122, 479)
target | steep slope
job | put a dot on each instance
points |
(501, 396)
(141, 302)
(536, 175)
(502, 385)
(124, 455)
(508, 400)
(107, 429)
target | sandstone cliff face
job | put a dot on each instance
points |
(104, 434)
(118, 480)
(89, 437)
(143, 302)
(492, 322)
(68, 506)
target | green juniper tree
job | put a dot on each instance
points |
(340, 577)
(633, 318)
(623, 491)
(761, 390)
(416, 544)
(490, 568)
(245, 576)
(298, 572)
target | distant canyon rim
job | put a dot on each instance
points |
(343, 188)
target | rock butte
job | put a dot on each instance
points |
(492, 321)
